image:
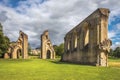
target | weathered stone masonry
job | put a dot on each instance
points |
(88, 42)
(47, 50)
(18, 49)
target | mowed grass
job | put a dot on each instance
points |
(114, 62)
(38, 69)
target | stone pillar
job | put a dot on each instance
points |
(25, 47)
(14, 54)
(24, 39)
(103, 37)
(43, 47)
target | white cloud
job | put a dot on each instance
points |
(3, 16)
(111, 34)
(116, 44)
(58, 16)
(118, 26)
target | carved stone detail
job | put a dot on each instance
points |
(105, 45)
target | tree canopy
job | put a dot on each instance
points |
(4, 42)
(59, 49)
(115, 53)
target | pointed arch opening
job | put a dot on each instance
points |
(19, 53)
(48, 56)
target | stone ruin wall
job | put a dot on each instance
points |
(47, 50)
(19, 48)
(88, 42)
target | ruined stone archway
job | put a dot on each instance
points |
(46, 46)
(14, 51)
(20, 44)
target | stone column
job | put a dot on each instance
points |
(25, 47)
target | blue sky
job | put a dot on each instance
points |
(11, 3)
(58, 16)
(15, 3)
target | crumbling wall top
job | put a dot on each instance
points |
(99, 11)
(23, 34)
(104, 11)
(45, 32)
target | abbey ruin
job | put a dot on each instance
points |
(18, 49)
(88, 42)
(47, 50)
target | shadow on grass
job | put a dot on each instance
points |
(69, 63)
(15, 60)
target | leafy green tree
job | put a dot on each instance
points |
(29, 49)
(59, 49)
(4, 43)
(116, 52)
(111, 53)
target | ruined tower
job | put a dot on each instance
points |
(47, 50)
(88, 42)
(19, 49)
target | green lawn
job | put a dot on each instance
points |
(38, 69)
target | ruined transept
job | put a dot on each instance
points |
(88, 42)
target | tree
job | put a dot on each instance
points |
(29, 49)
(4, 42)
(116, 52)
(111, 53)
(59, 49)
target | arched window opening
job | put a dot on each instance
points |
(86, 38)
(76, 42)
(19, 53)
(48, 54)
(68, 46)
